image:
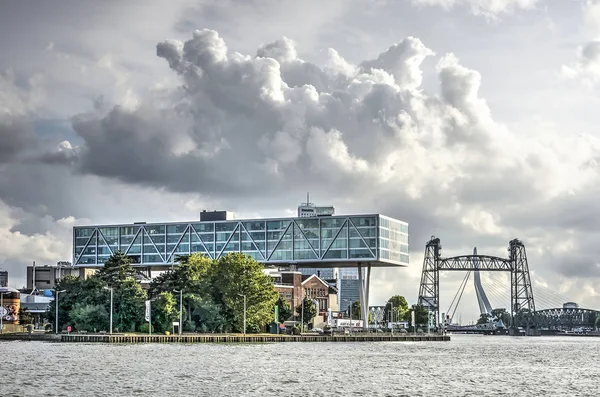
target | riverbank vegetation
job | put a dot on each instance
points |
(213, 294)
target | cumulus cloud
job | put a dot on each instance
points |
(275, 125)
(43, 241)
(252, 130)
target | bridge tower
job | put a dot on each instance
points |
(521, 292)
(429, 291)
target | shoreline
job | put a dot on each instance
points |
(212, 338)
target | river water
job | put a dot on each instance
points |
(469, 365)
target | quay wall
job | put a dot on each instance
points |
(85, 338)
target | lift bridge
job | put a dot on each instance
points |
(522, 304)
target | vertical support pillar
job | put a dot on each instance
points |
(361, 288)
(368, 282)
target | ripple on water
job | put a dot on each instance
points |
(466, 366)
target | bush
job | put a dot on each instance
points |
(189, 326)
(144, 328)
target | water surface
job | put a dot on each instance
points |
(466, 366)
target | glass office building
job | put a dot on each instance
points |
(323, 242)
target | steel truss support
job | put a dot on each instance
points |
(429, 291)
(521, 292)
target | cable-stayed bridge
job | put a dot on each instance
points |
(510, 277)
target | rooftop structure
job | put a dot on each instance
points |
(310, 210)
(333, 241)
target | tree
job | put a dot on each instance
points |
(238, 274)
(597, 321)
(357, 313)
(207, 316)
(89, 318)
(129, 306)
(164, 312)
(285, 310)
(192, 275)
(484, 318)
(89, 291)
(400, 308)
(310, 310)
(501, 314)
(421, 315)
(116, 269)
(25, 316)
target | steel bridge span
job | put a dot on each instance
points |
(522, 308)
(521, 293)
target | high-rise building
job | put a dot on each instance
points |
(3, 278)
(310, 210)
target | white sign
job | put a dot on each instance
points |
(148, 311)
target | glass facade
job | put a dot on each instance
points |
(324, 240)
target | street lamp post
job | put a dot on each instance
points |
(244, 312)
(2, 310)
(392, 316)
(111, 308)
(56, 301)
(180, 309)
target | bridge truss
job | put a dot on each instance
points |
(521, 293)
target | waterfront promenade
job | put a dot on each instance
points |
(222, 338)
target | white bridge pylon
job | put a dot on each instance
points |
(484, 303)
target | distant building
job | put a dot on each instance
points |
(293, 287)
(46, 276)
(570, 305)
(310, 210)
(3, 278)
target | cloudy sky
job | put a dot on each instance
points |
(473, 120)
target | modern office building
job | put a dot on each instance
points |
(3, 278)
(358, 241)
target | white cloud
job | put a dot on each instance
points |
(488, 8)
(234, 120)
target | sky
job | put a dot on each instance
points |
(474, 120)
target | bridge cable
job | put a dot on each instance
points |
(463, 284)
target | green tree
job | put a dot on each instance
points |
(400, 308)
(192, 274)
(285, 310)
(25, 316)
(116, 269)
(129, 308)
(237, 274)
(501, 314)
(89, 291)
(207, 316)
(164, 312)
(421, 315)
(310, 310)
(484, 318)
(357, 313)
(597, 321)
(85, 317)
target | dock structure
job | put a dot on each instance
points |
(86, 338)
